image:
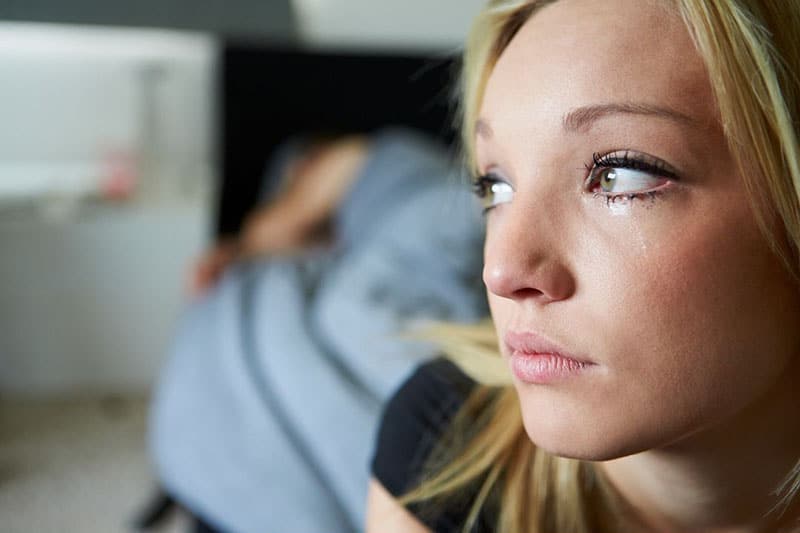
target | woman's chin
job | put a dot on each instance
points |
(582, 440)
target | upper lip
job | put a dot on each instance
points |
(532, 343)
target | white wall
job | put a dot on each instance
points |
(73, 96)
(408, 24)
(90, 304)
(90, 289)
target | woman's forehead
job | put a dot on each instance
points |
(581, 53)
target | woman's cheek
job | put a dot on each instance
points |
(685, 309)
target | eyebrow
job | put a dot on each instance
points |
(582, 118)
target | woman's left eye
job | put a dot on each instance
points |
(615, 181)
(627, 174)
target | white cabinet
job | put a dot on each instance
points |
(90, 304)
(89, 297)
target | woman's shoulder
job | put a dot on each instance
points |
(414, 420)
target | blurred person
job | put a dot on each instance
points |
(264, 416)
(315, 174)
(640, 169)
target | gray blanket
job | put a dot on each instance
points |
(264, 416)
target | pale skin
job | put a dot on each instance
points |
(688, 318)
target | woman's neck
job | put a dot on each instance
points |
(722, 479)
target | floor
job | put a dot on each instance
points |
(77, 465)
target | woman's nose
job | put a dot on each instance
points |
(524, 257)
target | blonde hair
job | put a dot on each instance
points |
(752, 52)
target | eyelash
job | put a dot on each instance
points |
(650, 165)
(614, 159)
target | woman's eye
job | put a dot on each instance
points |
(616, 180)
(628, 174)
(492, 191)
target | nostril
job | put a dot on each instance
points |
(526, 293)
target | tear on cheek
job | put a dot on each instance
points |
(619, 208)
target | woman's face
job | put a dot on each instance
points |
(636, 301)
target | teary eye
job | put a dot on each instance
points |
(627, 174)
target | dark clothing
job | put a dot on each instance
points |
(414, 420)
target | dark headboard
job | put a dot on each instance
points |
(269, 94)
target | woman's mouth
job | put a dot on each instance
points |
(537, 361)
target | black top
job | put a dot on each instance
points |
(413, 422)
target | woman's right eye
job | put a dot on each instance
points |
(492, 191)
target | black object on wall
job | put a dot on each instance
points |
(270, 94)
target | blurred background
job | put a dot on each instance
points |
(132, 134)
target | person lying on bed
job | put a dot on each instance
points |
(309, 178)
(263, 419)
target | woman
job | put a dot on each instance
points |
(639, 167)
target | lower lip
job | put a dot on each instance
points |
(544, 368)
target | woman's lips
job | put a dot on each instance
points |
(536, 360)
